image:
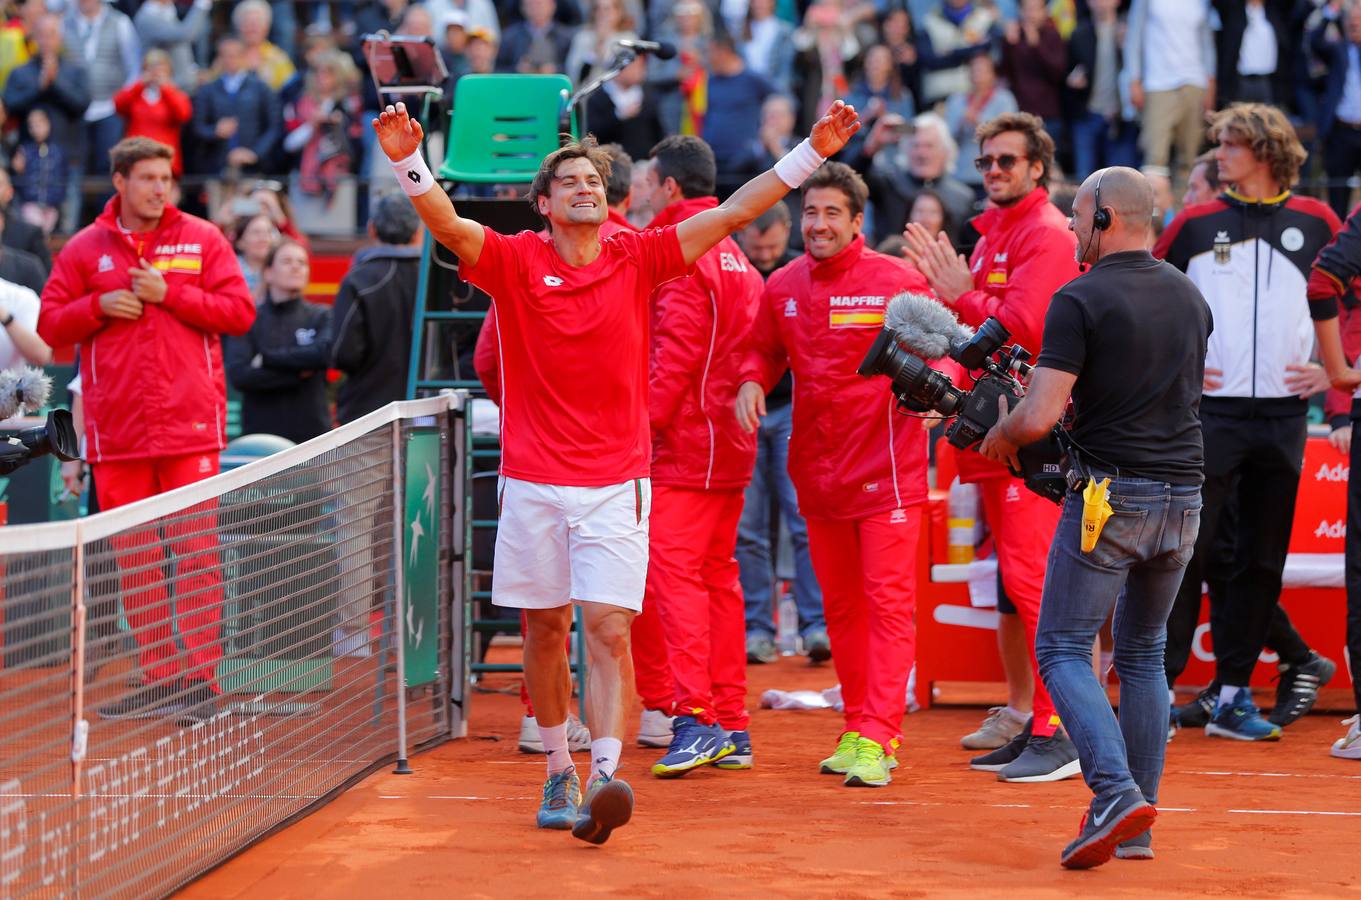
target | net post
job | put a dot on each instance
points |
(79, 729)
(398, 526)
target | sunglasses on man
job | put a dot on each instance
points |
(1007, 162)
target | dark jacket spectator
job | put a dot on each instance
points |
(18, 267)
(1035, 61)
(371, 323)
(55, 82)
(926, 159)
(536, 44)
(625, 112)
(1231, 84)
(732, 123)
(237, 122)
(279, 366)
(42, 177)
(17, 233)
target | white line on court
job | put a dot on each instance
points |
(1293, 812)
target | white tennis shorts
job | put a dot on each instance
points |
(556, 544)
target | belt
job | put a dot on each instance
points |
(1354, 126)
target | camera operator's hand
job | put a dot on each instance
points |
(1213, 380)
(1306, 380)
(751, 406)
(120, 304)
(1341, 439)
(935, 257)
(73, 476)
(996, 447)
(148, 283)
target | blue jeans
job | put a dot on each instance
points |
(1098, 143)
(754, 554)
(1135, 569)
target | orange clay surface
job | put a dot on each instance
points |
(1237, 820)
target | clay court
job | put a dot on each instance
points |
(1279, 820)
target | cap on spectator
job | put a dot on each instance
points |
(455, 18)
(480, 33)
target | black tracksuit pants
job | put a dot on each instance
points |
(1252, 470)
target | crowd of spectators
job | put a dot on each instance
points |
(250, 89)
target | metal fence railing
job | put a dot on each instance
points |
(181, 676)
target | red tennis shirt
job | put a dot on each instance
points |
(574, 353)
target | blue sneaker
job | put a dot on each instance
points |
(1107, 825)
(692, 745)
(1241, 721)
(608, 805)
(561, 800)
(740, 758)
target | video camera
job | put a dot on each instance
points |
(27, 390)
(917, 329)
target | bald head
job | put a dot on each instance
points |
(1126, 193)
(1129, 198)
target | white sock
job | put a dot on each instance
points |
(1227, 692)
(555, 745)
(1017, 714)
(605, 756)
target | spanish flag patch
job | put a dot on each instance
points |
(192, 265)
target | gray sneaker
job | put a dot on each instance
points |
(761, 649)
(997, 729)
(1048, 758)
(817, 646)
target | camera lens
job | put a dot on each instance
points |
(919, 386)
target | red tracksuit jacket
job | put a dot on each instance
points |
(851, 454)
(1336, 278)
(701, 332)
(152, 386)
(1024, 256)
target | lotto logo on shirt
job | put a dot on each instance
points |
(856, 312)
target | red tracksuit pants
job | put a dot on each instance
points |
(191, 537)
(651, 660)
(692, 581)
(868, 572)
(1023, 526)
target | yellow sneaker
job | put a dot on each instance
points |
(871, 767)
(840, 762)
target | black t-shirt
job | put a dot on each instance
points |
(1134, 331)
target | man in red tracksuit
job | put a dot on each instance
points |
(652, 674)
(701, 463)
(859, 467)
(147, 291)
(1025, 254)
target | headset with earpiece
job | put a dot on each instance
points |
(1101, 217)
(1101, 220)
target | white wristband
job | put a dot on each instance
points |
(414, 175)
(798, 164)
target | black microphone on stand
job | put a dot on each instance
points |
(659, 49)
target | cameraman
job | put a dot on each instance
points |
(1130, 313)
(1025, 254)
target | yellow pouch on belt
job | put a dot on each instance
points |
(1096, 509)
